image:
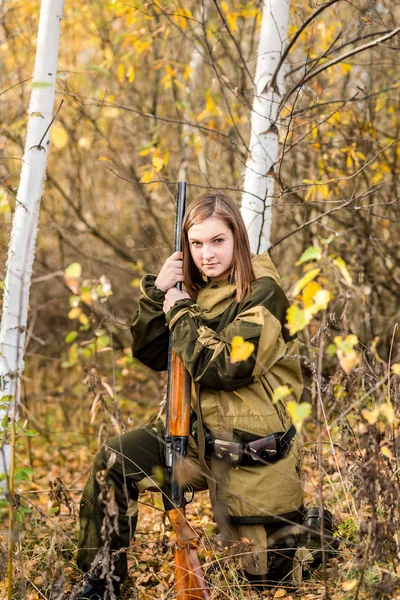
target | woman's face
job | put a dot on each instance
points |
(211, 246)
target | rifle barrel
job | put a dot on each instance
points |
(180, 212)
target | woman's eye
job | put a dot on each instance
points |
(196, 244)
(219, 240)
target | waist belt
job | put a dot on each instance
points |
(264, 451)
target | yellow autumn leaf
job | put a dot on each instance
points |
(83, 319)
(386, 451)
(321, 300)
(347, 361)
(281, 392)
(121, 72)
(146, 151)
(346, 343)
(72, 275)
(298, 412)
(371, 416)
(304, 280)
(58, 136)
(347, 586)
(157, 163)
(309, 292)
(105, 158)
(346, 68)
(387, 411)
(147, 176)
(396, 369)
(341, 265)
(348, 357)
(131, 74)
(74, 313)
(87, 298)
(241, 350)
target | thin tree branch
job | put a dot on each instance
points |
(321, 216)
(335, 50)
(339, 59)
(235, 42)
(318, 11)
(103, 104)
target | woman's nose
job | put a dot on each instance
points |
(207, 252)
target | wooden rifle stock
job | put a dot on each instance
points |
(189, 578)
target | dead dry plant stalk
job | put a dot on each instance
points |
(11, 493)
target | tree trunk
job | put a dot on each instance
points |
(25, 223)
(258, 188)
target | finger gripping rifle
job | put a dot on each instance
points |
(189, 578)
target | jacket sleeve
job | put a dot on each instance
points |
(150, 333)
(207, 354)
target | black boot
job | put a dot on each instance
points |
(95, 590)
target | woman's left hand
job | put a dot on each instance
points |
(172, 296)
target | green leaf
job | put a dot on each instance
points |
(31, 433)
(298, 413)
(331, 350)
(97, 68)
(71, 336)
(328, 240)
(312, 253)
(54, 510)
(23, 474)
(74, 270)
(103, 341)
(295, 319)
(74, 301)
(280, 393)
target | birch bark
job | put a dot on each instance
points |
(25, 222)
(258, 188)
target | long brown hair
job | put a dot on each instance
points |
(221, 206)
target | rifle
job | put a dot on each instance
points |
(189, 578)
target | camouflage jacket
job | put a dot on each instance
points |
(236, 398)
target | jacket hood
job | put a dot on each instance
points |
(264, 267)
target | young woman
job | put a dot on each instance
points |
(229, 293)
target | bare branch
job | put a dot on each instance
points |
(235, 42)
(318, 11)
(337, 60)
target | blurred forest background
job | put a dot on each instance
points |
(156, 92)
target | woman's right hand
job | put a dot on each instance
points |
(171, 272)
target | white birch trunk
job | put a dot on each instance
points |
(25, 223)
(258, 187)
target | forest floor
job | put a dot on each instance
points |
(53, 465)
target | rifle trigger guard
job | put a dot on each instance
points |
(189, 493)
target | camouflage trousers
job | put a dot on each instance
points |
(129, 465)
